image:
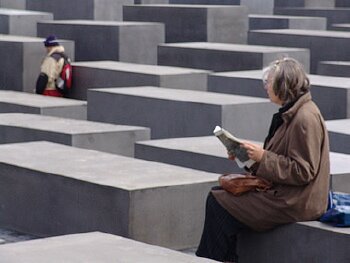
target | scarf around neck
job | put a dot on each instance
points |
(277, 120)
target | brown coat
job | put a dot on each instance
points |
(296, 160)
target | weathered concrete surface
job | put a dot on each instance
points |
(134, 42)
(181, 113)
(333, 15)
(205, 153)
(117, 139)
(193, 23)
(341, 27)
(334, 68)
(102, 74)
(306, 3)
(341, 171)
(73, 9)
(91, 247)
(16, 102)
(331, 94)
(303, 242)
(284, 22)
(70, 190)
(254, 6)
(20, 62)
(339, 135)
(323, 44)
(146, 2)
(16, 4)
(20, 22)
(225, 57)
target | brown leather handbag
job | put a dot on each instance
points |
(238, 184)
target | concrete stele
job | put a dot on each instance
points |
(225, 57)
(331, 94)
(16, 102)
(206, 153)
(75, 190)
(117, 139)
(323, 44)
(102, 74)
(21, 22)
(339, 135)
(92, 247)
(189, 23)
(181, 113)
(134, 42)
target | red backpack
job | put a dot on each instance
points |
(64, 80)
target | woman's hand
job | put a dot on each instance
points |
(255, 151)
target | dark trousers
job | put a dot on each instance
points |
(218, 240)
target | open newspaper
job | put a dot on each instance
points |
(233, 146)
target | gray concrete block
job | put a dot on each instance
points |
(16, 102)
(259, 7)
(341, 27)
(339, 135)
(286, 22)
(284, 4)
(68, 190)
(205, 153)
(101, 74)
(225, 57)
(147, 2)
(333, 15)
(16, 4)
(206, 2)
(21, 22)
(312, 3)
(331, 94)
(187, 23)
(340, 171)
(303, 242)
(117, 139)
(306, 3)
(134, 42)
(254, 6)
(92, 247)
(323, 45)
(74, 9)
(181, 113)
(21, 57)
(334, 68)
(342, 3)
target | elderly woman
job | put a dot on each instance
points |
(295, 158)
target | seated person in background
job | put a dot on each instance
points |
(51, 68)
(295, 158)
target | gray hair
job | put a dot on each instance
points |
(288, 78)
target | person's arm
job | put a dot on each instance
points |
(41, 83)
(301, 162)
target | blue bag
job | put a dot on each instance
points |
(338, 212)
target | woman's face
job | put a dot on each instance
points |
(270, 92)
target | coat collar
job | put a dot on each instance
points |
(289, 114)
